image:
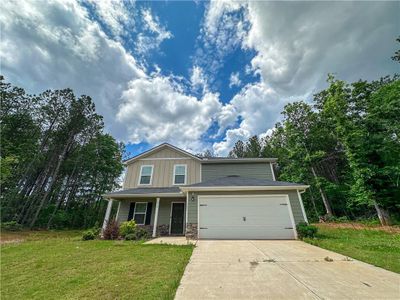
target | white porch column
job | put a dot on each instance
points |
(107, 216)
(156, 218)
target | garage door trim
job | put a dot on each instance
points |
(199, 197)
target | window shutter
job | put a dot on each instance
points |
(148, 213)
(131, 210)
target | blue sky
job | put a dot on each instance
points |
(200, 75)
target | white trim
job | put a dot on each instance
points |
(150, 195)
(243, 188)
(201, 174)
(174, 173)
(302, 206)
(156, 217)
(159, 147)
(119, 207)
(165, 158)
(291, 216)
(107, 216)
(145, 212)
(151, 175)
(170, 216)
(249, 196)
(187, 206)
(236, 160)
(272, 171)
(198, 216)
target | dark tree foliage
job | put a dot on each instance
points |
(346, 147)
(56, 162)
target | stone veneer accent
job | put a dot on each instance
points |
(191, 231)
(162, 230)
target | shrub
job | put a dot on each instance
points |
(128, 227)
(141, 234)
(130, 237)
(88, 235)
(11, 226)
(111, 232)
(305, 230)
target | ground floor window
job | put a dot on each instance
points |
(139, 214)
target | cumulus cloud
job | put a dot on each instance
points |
(297, 44)
(155, 109)
(56, 45)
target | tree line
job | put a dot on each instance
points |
(56, 161)
(345, 144)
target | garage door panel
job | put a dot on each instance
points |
(245, 217)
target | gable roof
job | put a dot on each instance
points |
(158, 148)
(203, 160)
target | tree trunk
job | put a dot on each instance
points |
(383, 215)
(323, 196)
(54, 179)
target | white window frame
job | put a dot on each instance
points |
(151, 175)
(145, 212)
(173, 177)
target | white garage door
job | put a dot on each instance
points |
(245, 217)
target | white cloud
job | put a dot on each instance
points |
(155, 35)
(198, 79)
(114, 14)
(351, 39)
(155, 110)
(234, 80)
(54, 45)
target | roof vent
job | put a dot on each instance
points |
(233, 176)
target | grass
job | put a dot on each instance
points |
(58, 265)
(379, 248)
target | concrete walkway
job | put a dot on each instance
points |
(281, 270)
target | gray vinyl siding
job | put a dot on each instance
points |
(164, 210)
(293, 199)
(251, 170)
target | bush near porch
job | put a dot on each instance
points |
(59, 265)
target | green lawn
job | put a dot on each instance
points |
(376, 247)
(58, 265)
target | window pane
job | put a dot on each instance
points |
(179, 179)
(179, 170)
(146, 171)
(139, 218)
(140, 207)
(145, 180)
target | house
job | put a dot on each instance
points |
(169, 191)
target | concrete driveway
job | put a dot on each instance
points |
(280, 270)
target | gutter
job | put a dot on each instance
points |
(243, 188)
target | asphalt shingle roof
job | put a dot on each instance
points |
(241, 181)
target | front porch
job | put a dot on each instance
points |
(164, 214)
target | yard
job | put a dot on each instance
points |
(371, 245)
(58, 265)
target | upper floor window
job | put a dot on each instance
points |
(180, 174)
(146, 173)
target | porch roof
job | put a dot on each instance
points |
(242, 183)
(172, 191)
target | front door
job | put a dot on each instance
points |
(177, 216)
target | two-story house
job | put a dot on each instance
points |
(172, 192)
